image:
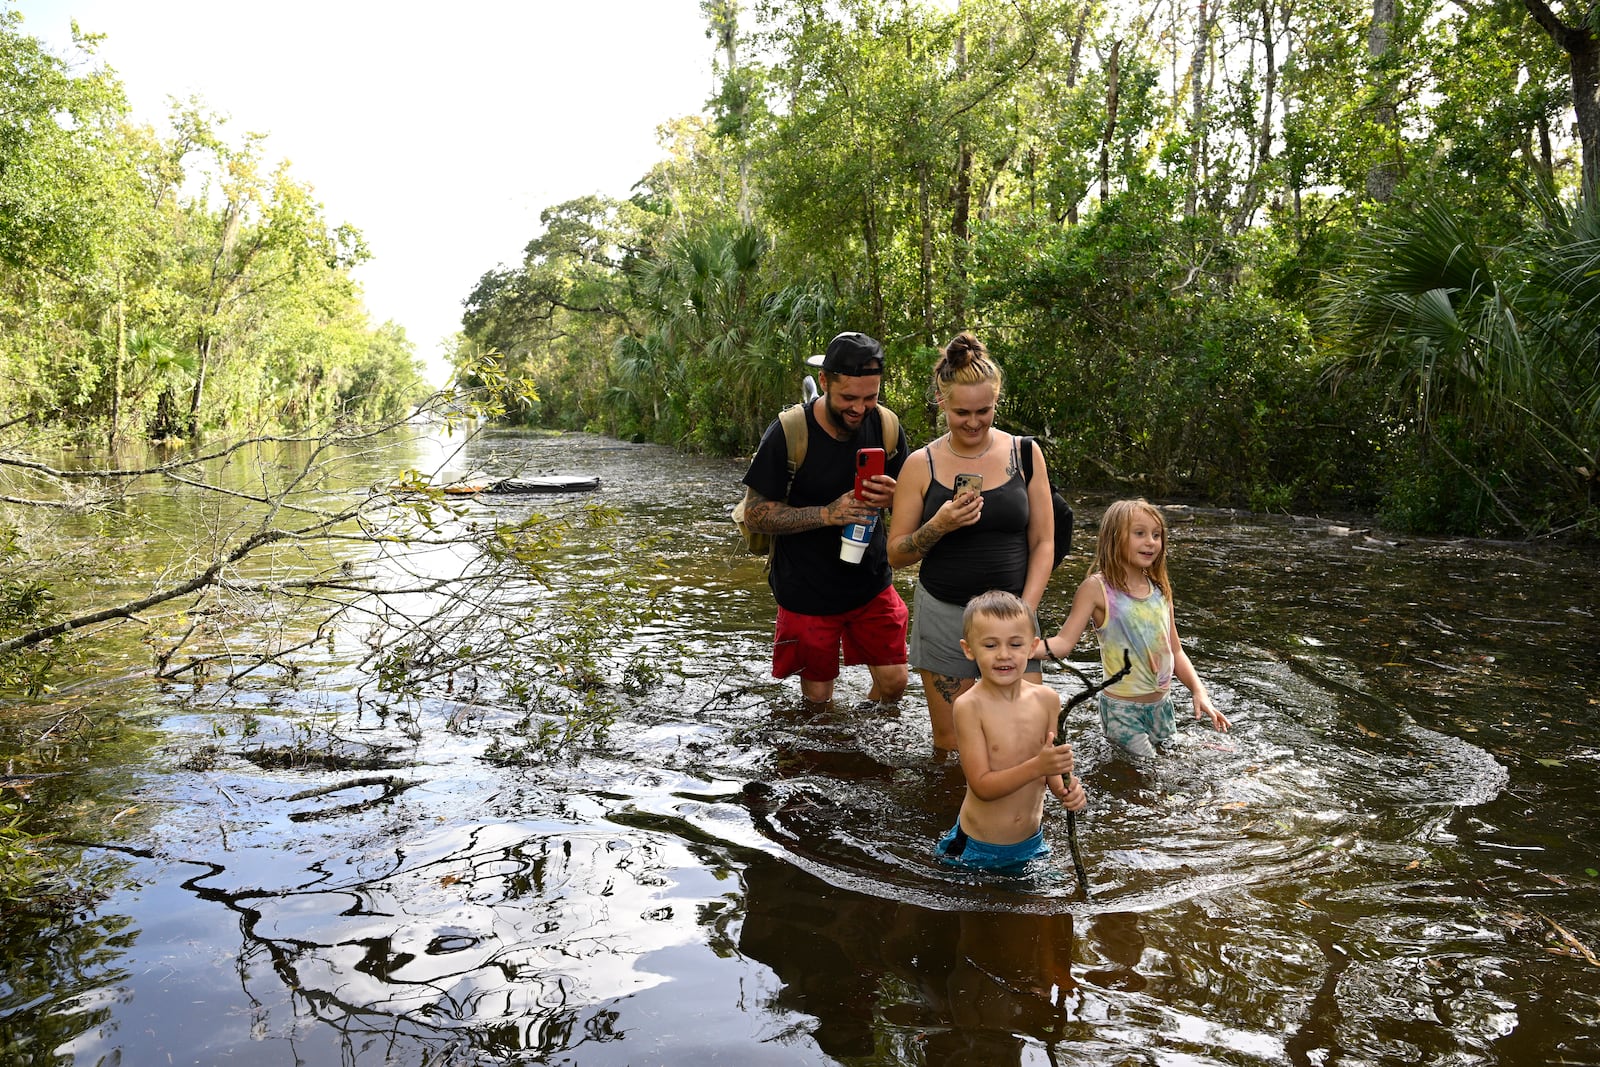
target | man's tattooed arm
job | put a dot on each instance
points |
(776, 517)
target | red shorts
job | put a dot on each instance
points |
(809, 645)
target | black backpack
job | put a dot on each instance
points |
(1058, 504)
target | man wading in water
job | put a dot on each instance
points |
(828, 607)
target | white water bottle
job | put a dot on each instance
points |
(855, 539)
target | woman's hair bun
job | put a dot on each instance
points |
(962, 350)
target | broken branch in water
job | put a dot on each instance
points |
(1567, 936)
(392, 787)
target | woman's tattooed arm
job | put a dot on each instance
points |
(924, 538)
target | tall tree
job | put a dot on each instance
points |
(1113, 103)
(54, 126)
(1199, 65)
(250, 238)
(737, 94)
(1577, 38)
(1385, 172)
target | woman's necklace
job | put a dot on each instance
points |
(952, 448)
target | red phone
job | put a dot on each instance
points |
(869, 464)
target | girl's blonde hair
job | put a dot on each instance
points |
(1113, 538)
(964, 361)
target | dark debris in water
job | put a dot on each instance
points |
(299, 758)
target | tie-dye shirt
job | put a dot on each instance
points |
(1141, 625)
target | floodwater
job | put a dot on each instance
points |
(1391, 858)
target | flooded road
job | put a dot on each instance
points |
(1391, 859)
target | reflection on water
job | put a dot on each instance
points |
(1387, 861)
(975, 987)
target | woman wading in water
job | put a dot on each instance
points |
(963, 509)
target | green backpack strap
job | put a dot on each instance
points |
(793, 421)
(889, 422)
(795, 435)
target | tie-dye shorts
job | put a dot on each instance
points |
(1138, 729)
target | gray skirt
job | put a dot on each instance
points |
(936, 638)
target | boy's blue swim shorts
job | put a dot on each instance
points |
(959, 848)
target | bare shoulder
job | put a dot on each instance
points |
(916, 466)
(1044, 701)
(969, 703)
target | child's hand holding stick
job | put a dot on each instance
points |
(1061, 734)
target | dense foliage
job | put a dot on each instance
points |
(1176, 225)
(169, 287)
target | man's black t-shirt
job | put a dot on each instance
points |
(807, 574)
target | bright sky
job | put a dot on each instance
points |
(440, 130)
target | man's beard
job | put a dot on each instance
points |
(843, 423)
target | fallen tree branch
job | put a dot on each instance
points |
(1567, 936)
(29, 503)
(392, 787)
(209, 576)
(388, 781)
(188, 461)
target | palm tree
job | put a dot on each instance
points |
(155, 367)
(1500, 342)
(733, 346)
(640, 364)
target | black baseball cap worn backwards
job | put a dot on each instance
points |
(853, 355)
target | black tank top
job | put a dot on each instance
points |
(991, 554)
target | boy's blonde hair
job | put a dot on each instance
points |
(1114, 527)
(996, 604)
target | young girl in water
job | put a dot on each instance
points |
(1128, 598)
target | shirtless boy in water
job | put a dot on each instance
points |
(1005, 726)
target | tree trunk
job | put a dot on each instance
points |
(869, 239)
(1197, 110)
(1262, 151)
(202, 352)
(224, 274)
(960, 213)
(116, 370)
(722, 18)
(1583, 62)
(731, 48)
(960, 234)
(1293, 176)
(925, 252)
(746, 215)
(1072, 81)
(1385, 174)
(1113, 73)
